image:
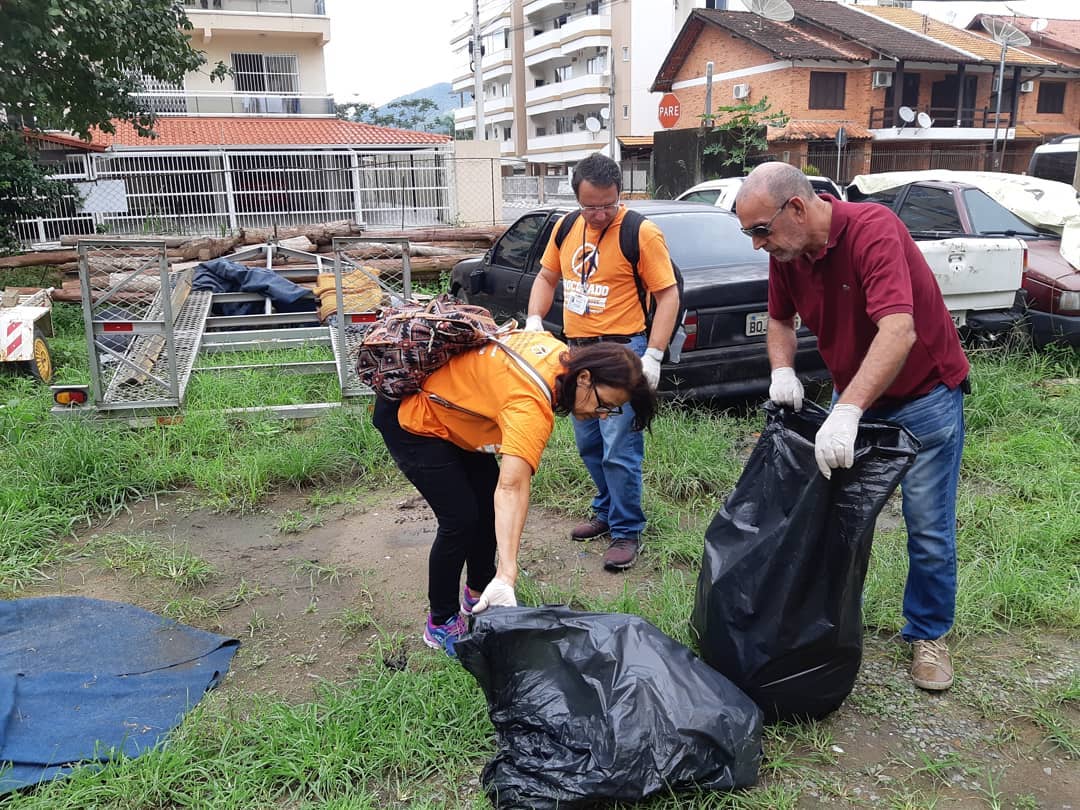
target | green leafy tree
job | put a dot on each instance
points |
(444, 125)
(409, 113)
(744, 126)
(74, 65)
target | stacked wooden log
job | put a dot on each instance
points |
(431, 250)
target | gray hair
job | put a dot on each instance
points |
(779, 181)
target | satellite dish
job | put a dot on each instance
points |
(1004, 33)
(925, 120)
(907, 115)
(776, 10)
(592, 124)
(605, 113)
(1039, 24)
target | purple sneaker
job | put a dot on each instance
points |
(444, 636)
(468, 601)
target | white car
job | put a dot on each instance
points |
(721, 193)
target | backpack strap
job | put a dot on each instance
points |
(565, 224)
(530, 372)
(629, 244)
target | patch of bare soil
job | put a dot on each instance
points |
(309, 589)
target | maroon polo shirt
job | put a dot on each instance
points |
(869, 268)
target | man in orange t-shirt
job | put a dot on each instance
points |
(600, 304)
(445, 438)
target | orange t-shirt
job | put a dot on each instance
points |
(483, 401)
(613, 306)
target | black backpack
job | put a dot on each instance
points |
(631, 251)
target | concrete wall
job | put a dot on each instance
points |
(477, 183)
(223, 44)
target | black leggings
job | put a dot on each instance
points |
(459, 486)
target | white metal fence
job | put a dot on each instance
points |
(153, 192)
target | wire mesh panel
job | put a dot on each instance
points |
(143, 323)
(368, 274)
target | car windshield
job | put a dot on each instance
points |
(701, 196)
(706, 239)
(988, 216)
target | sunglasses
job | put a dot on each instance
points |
(601, 408)
(761, 231)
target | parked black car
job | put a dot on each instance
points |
(725, 296)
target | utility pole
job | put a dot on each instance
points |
(612, 142)
(477, 54)
(708, 93)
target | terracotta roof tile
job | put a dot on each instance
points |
(875, 33)
(191, 131)
(785, 40)
(817, 131)
(1059, 41)
(64, 139)
(973, 43)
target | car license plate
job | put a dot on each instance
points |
(757, 323)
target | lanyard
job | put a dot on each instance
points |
(589, 267)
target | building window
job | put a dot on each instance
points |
(562, 74)
(506, 37)
(506, 133)
(625, 110)
(1051, 97)
(592, 7)
(540, 82)
(559, 21)
(266, 73)
(827, 90)
(626, 53)
(541, 132)
(596, 65)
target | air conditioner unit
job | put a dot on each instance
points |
(741, 91)
(881, 78)
(1027, 87)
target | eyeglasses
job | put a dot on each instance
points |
(596, 209)
(601, 408)
(761, 231)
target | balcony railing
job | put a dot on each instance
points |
(976, 117)
(261, 6)
(237, 104)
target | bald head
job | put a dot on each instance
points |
(776, 182)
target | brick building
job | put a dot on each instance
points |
(868, 69)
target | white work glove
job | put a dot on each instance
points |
(650, 366)
(834, 445)
(534, 323)
(497, 594)
(785, 388)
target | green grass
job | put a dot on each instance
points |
(142, 556)
(381, 740)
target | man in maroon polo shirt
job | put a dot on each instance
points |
(859, 282)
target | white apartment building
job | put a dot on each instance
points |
(564, 78)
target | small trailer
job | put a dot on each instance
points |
(25, 322)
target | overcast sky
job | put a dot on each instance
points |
(381, 50)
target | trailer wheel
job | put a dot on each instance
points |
(41, 366)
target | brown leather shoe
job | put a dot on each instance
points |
(589, 530)
(931, 665)
(622, 553)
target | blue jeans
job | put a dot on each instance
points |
(613, 453)
(929, 503)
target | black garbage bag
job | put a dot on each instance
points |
(779, 598)
(603, 706)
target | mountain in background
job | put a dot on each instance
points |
(439, 93)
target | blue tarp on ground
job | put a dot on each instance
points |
(81, 679)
